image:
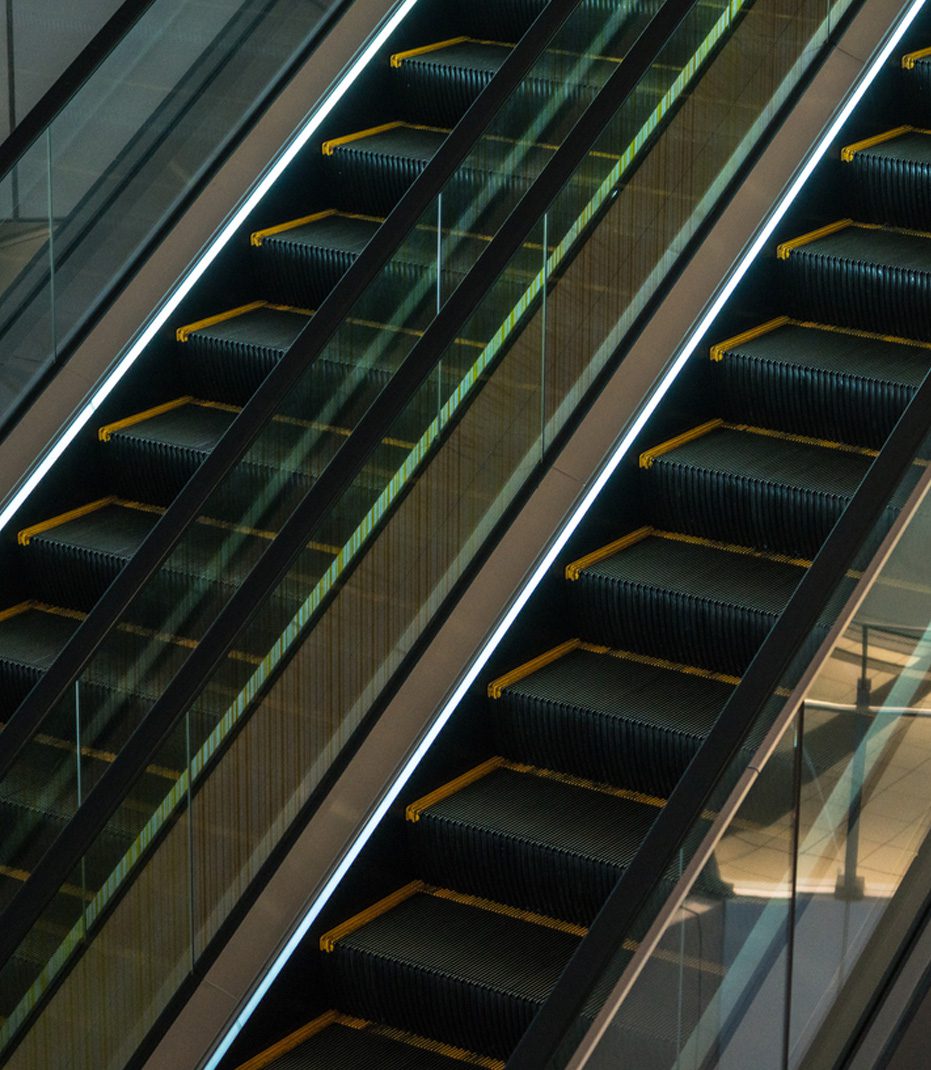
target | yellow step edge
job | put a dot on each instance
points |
(910, 231)
(649, 456)
(857, 333)
(848, 152)
(15, 611)
(494, 907)
(23, 875)
(733, 548)
(574, 568)
(183, 333)
(717, 351)
(414, 1040)
(290, 1042)
(662, 663)
(911, 58)
(585, 784)
(805, 440)
(296, 309)
(784, 249)
(258, 236)
(24, 536)
(497, 686)
(398, 58)
(106, 432)
(329, 940)
(329, 147)
(414, 810)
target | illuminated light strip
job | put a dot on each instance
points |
(206, 258)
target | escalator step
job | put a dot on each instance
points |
(753, 487)
(373, 168)
(861, 275)
(815, 380)
(301, 263)
(891, 175)
(687, 601)
(542, 842)
(29, 642)
(226, 357)
(338, 1042)
(443, 965)
(443, 82)
(609, 716)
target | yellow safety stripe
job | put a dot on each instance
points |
(258, 236)
(67, 889)
(856, 332)
(416, 808)
(911, 58)
(106, 432)
(329, 939)
(183, 333)
(399, 57)
(661, 663)
(494, 907)
(733, 548)
(649, 456)
(26, 534)
(14, 611)
(848, 152)
(718, 350)
(805, 440)
(291, 1041)
(497, 686)
(785, 248)
(585, 784)
(329, 147)
(574, 568)
(416, 1041)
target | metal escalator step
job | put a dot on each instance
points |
(301, 264)
(684, 601)
(372, 169)
(338, 1042)
(446, 967)
(862, 275)
(29, 642)
(815, 380)
(226, 359)
(753, 487)
(542, 842)
(74, 559)
(892, 177)
(610, 716)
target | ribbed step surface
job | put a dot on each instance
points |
(892, 179)
(610, 718)
(755, 489)
(877, 279)
(440, 968)
(802, 379)
(538, 842)
(687, 602)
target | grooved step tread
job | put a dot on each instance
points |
(625, 689)
(765, 459)
(913, 147)
(838, 353)
(881, 246)
(266, 329)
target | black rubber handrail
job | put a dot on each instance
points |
(561, 1015)
(76, 838)
(267, 400)
(43, 112)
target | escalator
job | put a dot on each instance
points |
(176, 404)
(558, 775)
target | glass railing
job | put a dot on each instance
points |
(85, 201)
(320, 646)
(798, 900)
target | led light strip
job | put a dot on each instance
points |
(556, 547)
(206, 258)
